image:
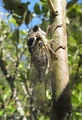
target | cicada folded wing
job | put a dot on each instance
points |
(40, 59)
(40, 63)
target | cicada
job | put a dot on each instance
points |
(37, 42)
(39, 46)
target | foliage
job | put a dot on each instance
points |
(74, 30)
(15, 60)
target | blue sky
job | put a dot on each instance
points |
(31, 5)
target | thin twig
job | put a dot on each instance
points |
(52, 7)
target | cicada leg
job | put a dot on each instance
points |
(48, 30)
(60, 46)
(52, 51)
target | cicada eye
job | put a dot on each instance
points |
(30, 41)
(35, 28)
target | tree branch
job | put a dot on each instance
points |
(61, 100)
(10, 79)
(52, 7)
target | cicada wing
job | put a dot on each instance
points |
(33, 75)
(38, 87)
(39, 73)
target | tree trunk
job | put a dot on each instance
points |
(61, 100)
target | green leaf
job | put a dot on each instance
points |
(1, 112)
(37, 9)
(28, 17)
(79, 114)
(15, 35)
(44, 1)
(14, 20)
(71, 3)
(44, 25)
(45, 8)
(19, 9)
(10, 5)
(23, 32)
(75, 99)
(48, 94)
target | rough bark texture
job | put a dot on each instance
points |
(61, 100)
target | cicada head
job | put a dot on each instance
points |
(32, 38)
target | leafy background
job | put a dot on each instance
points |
(15, 83)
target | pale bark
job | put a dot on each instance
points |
(61, 101)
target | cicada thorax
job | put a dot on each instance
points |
(39, 52)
